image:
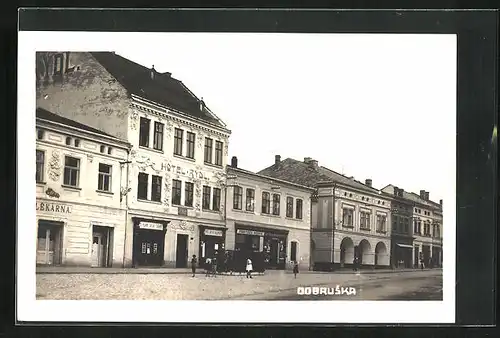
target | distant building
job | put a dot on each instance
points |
(349, 218)
(270, 216)
(79, 176)
(178, 156)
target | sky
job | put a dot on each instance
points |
(369, 106)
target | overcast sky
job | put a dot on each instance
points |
(369, 106)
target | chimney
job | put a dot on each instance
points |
(307, 159)
(234, 162)
(422, 194)
(368, 182)
(202, 104)
(313, 164)
(396, 191)
(153, 72)
(426, 195)
(441, 203)
(277, 159)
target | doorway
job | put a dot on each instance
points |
(293, 251)
(49, 243)
(101, 246)
(182, 251)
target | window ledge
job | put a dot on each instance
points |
(151, 149)
(293, 218)
(269, 215)
(244, 211)
(210, 211)
(70, 187)
(148, 201)
(104, 192)
(41, 183)
(184, 158)
(365, 229)
(348, 226)
(212, 165)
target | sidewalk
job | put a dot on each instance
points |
(89, 270)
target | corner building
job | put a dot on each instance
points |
(179, 149)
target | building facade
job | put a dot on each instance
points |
(350, 218)
(79, 212)
(179, 148)
(270, 216)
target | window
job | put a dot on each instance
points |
(364, 220)
(216, 199)
(406, 225)
(298, 209)
(158, 136)
(68, 141)
(436, 232)
(77, 143)
(347, 217)
(176, 192)
(419, 227)
(142, 186)
(178, 141)
(276, 204)
(381, 222)
(206, 197)
(144, 132)
(40, 133)
(208, 150)
(156, 188)
(40, 165)
(101, 149)
(104, 178)
(71, 171)
(250, 202)
(395, 223)
(109, 150)
(293, 251)
(289, 207)
(238, 198)
(218, 152)
(266, 201)
(188, 196)
(190, 144)
(415, 226)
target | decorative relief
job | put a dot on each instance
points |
(144, 162)
(55, 166)
(226, 149)
(199, 140)
(90, 158)
(166, 193)
(197, 195)
(134, 118)
(183, 225)
(220, 178)
(169, 129)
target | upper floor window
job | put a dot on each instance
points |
(176, 192)
(276, 204)
(266, 202)
(406, 225)
(142, 186)
(158, 136)
(298, 209)
(68, 141)
(156, 188)
(206, 197)
(237, 198)
(250, 202)
(190, 139)
(208, 150)
(218, 152)
(40, 165)
(178, 137)
(289, 207)
(104, 177)
(144, 132)
(364, 220)
(77, 143)
(395, 223)
(381, 223)
(347, 217)
(71, 171)
(188, 197)
(216, 199)
(39, 134)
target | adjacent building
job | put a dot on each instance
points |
(178, 155)
(349, 218)
(79, 211)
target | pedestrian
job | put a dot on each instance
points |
(208, 266)
(295, 268)
(422, 264)
(214, 265)
(249, 268)
(193, 264)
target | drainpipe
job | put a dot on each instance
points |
(333, 224)
(126, 203)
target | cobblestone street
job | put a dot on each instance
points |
(134, 286)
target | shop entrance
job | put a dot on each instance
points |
(49, 244)
(101, 246)
(149, 243)
(181, 258)
(275, 252)
(211, 241)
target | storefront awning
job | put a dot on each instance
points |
(405, 246)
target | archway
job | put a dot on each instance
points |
(364, 252)
(381, 257)
(346, 251)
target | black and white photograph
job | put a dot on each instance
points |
(301, 177)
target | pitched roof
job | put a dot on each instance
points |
(49, 116)
(162, 88)
(265, 177)
(301, 173)
(411, 196)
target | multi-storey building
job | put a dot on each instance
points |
(79, 211)
(179, 148)
(417, 236)
(350, 219)
(268, 215)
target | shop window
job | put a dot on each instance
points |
(144, 132)
(206, 197)
(158, 136)
(71, 171)
(266, 202)
(216, 199)
(289, 207)
(176, 192)
(237, 198)
(276, 204)
(218, 153)
(40, 165)
(298, 209)
(142, 186)
(188, 197)
(190, 139)
(293, 251)
(104, 177)
(208, 150)
(178, 137)
(156, 188)
(250, 202)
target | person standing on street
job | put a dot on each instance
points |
(214, 265)
(295, 268)
(208, 266)
(193, 264)
(249, 268)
